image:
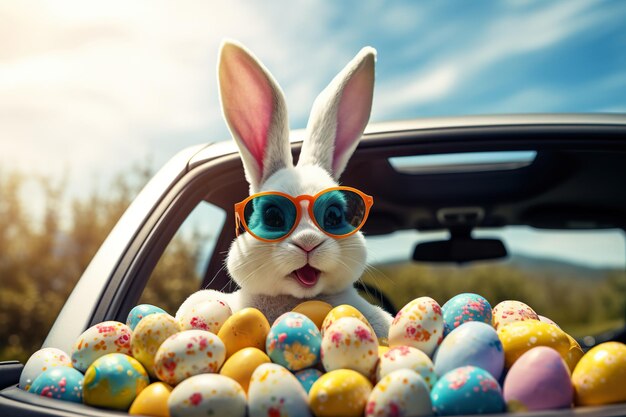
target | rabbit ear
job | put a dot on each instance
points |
(340, 114)
(254, 108)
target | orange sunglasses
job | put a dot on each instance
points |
(271, 216)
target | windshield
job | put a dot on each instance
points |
(575, 278)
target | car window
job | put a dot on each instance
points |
(180, 269)
(576, 278)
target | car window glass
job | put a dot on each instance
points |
(179, 271)
(576, 278)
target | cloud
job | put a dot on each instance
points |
(97, 87)
(479, 45)
(414, 90)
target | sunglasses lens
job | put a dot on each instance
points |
(339, 212)
(270, 216)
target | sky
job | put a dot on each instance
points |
(88, 89)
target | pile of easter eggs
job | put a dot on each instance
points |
(458, 359)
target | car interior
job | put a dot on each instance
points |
(458, 180)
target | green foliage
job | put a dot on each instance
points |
(42, 257)
(580, 306)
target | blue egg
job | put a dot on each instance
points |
(463, 308)
(307, 377)
(113, 381)
(472, 343)
(294, 342)
(139, 312)
(62, 383)
(467, 390)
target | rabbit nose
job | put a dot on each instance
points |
(307, 246)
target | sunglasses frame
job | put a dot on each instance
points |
(240, 220)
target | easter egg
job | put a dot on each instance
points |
(467, 390)
(600, 376)
(307, 377)
(400, 393)
(342, 392)
(382, 350)
(315, 310)
(148, 336)
(509, 311)
(207, 395)
(547, 320)
(114, 381)
(406, 357)
(61, 383)
(139, 312)
(574, 354)
(152, 401)
(246, 328)
(340, 311)
(472, 343)
(463, 308)
(41, 361)
(294, 342)
(208, 315)
(276, 391)
(99, 340)
(519, 336)
(418, 324)
(538, 380)
(242, 364)
(349, 344)
(188, 353)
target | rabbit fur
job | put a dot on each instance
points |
(254, 108)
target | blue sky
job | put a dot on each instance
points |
(89, 88)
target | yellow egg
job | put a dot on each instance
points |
(600, 376)
(152, 401)
(574, 354)
(343, 310)
(245, 328)
(510, 311)
(315, 310)
(520, 336)
(342, 392)
(149, 334)
(242, 364)
(382, 350)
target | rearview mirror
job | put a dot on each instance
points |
(460, 250)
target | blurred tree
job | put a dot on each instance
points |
(41, 258)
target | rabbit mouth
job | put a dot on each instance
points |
(307, 276)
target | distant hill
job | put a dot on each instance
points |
(534, 265)
(558, 267)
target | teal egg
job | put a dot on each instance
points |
(139, 312)
(307, 377)
(294, 342)
(463, 308)
(113, 381)
(467, 390)
(61, 383)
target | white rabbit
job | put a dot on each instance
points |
(276, 276)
